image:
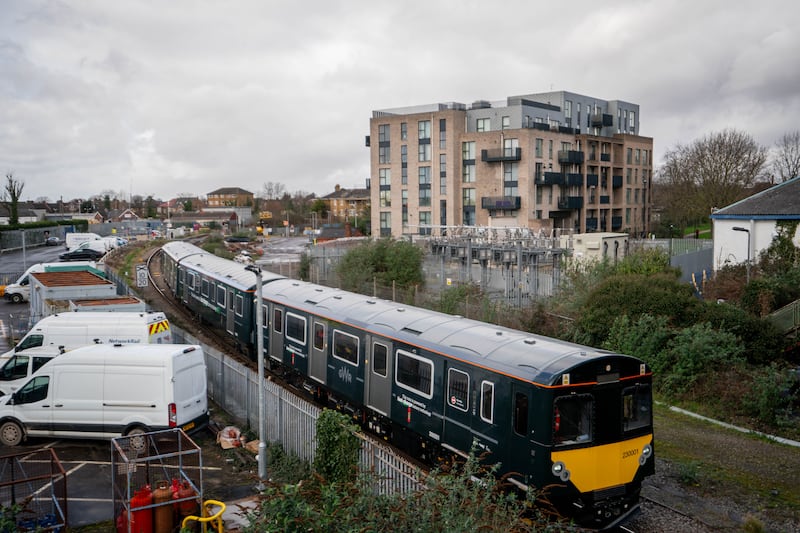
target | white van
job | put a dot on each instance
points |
(104, 391)
(66, 331)
(18, 369)
(20, 290)
(73, 240)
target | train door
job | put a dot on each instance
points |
(520, 436)
(276, 334)
(317, 367)
(378, 375)
(457, 423)
(231, 313)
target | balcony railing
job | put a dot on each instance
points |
(574, 179)
(550, 178)
(602, 120)
(605, 157)
(605, 199)
(570, 202)
(501, 154)
(592, 180)
(616, 182)
(501, 202)
(570, 157)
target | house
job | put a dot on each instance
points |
(122, 215)
(24, 214)
(746, 228)
(347, 203)
(230, 197)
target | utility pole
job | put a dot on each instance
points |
(262, 421)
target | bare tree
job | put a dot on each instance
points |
(12, 192)
(274, 190)
(714, 171)
(786, 162)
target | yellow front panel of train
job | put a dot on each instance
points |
(598, 467)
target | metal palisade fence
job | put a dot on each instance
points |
(292, 420)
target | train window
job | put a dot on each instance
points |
(458, 389)
(521, 414)
(380, 359)
(572, 419)
(487, 401)
(319, 336)
(277, 320)
(204, 290)
(239, 305)
(637, 405)
(414, 373)
(264, 316)
(296, 328)
(190, 280)
(345, 347)
(221, 296)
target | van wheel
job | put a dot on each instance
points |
(137, 441)
(16, 298)
(10, 434)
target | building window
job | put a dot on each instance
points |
(468, 151)
(424, 129)
(383, 133)
(424, 152)
(404, 175)
(424, 222)
(442, 174)
(386, 223)
(510, 147)
(539, 148)
(632, 120)
(468, 174)
(568, 110)
(483, 124)
(384, 176)
(383, 155)
(510, 171)
(424, 175)
(404, 154)
(403, 131)
(468, 197)
(506, 122)
(442, 134)
(550, 149)
(424, 198)
(386, 198)
(629, 155)
(638, 157)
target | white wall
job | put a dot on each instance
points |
(730, 246)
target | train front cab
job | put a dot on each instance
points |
(600, 443)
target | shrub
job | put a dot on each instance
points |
(336, 459)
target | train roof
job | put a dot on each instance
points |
(207, 263)
(535, 358)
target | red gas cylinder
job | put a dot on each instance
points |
(122, 521)
(188, 507)
(142, 519)
(164, 518)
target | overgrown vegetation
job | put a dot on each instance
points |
(385, 262)
(214, 244)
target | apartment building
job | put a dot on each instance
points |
(547, 161)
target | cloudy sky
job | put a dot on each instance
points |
(173, 97)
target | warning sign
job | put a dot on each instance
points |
(159, 327)
(141, 275)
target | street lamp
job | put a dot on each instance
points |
(262, 421)
(739, 228)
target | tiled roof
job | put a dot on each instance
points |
(69, 279)
(781, 201)
(229, 190)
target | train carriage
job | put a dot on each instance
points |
(565, 419)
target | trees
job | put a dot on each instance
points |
(12, 191)
(384, 261)
(786, 161)
(711, 172)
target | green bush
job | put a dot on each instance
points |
(336, 459)
(646, 337)
(774, 391)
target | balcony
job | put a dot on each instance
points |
(605, 157)
(570, 157)
(592, 180)
(605, 199)
(574, 179)
(496, 203)
(616, 182)
(616, 223)
(550, 178)
(601, 120)
(570, 202)
(501, 154)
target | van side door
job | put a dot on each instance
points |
(33, 406)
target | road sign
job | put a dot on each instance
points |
(141, 275)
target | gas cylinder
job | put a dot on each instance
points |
(142, 519)
(163, 512)
(122, 521)
(187, 507)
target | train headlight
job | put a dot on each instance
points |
(560, 471)
(647, 451)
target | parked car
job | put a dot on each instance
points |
(82, 253)
(52, 241)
